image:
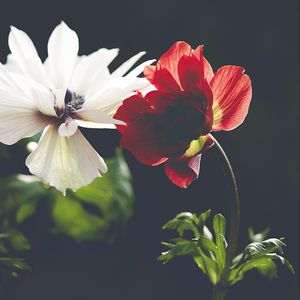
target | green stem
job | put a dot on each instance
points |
(234, 199)
(218, 293)
(220, 290)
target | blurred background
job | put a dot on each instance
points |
(262, 36)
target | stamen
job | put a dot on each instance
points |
(73, 101)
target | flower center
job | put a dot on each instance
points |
(73, 102)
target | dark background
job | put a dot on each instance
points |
(262, 36)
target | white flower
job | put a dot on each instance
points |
(57, 96)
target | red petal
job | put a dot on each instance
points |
(149, 72)
(159, 101)
(169, 60)
(132, 106)
(208, 144)
(189, 70)
(164, 81)
(232, 92)
(183, 171)
(135, 137)
(208, 71)
(136, 140)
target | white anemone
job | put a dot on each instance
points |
(57, 96)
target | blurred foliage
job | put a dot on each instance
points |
(11, 266)
(99, 211)
(3, 151)
(209, 250)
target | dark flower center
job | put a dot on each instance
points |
(73, 101)
(181, 121)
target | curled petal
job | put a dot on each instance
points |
(68, 128)
(65, 162)
(183, 171)
(232, 92)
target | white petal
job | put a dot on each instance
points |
(44, 98)
(89, 67)
(94, 125)
(27, 91)
(103, 97)
(68, 128)
(127, 65)
(114, 93)
(99, 81)
(140, 68)
(18, 118)
(26, 56)
(65, 162)
(96, 116)
(13, 81)
(12, 65)
(63, 48)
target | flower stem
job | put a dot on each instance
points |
(234, 199)
(218, 293)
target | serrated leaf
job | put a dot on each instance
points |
(260, 256)
(183, 222)
(264, 247)
(181, 247)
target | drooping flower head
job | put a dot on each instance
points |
(57, 96)
(171, 124)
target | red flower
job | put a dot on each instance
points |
(171, 125)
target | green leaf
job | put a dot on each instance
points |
(264, 265)
(11, 266)
(208, 267)
(260, 256)
(219, 225)
(25, 211)
(183, 222)
(264, 247)
(18, 240)
(201, 248)
(100, 210)
(202, 219)
(181, 247)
